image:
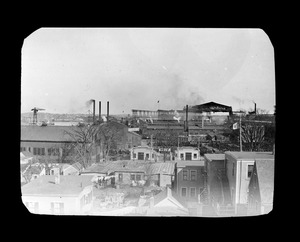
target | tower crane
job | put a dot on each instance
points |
(35, 110)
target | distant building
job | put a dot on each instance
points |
(46, 142)
(58, 195)
(261, 187)
(239, 169)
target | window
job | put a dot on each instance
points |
(181, 156)
(250, 170)
(57, 208)
(140, 155)
(29, 149)
(233, 169)
(188, 156)
(193, 175)
(152, 156)
(193, 192)
(120, 177)
(52, 172)
(134, 155)
(195, 155)
(53, 151)
(38, 151)
(147, 156)
(132, 177)
(183, 191)
(33, 207)
(185, 175)
(138, 177)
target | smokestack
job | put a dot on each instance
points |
(94, 111)
(254, 108)
(107, 110)
(99, 111)
(186, 118)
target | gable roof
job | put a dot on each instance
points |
(46, 133)
(265, 175)
(45, 186)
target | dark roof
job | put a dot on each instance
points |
(265, 175)
(184, 163)
(211, 107)
(211, 157)
(45, 186)
(46, 133)
(245, 155)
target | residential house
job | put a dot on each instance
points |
(261, 187)
(166, 203)
(187, 153)
(189, 179)
(239, 169)
(145, 153)
(58, 195)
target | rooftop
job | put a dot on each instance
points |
(211, 157)
(45, 186)
(250, 155)
(132, 166)
(45, 133)
(184, 163)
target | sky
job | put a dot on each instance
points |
(134, 68)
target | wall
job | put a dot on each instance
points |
(238, 182)
(45, 145)
(165, 180)
(199, 183)
(71, 204)
(126, 177)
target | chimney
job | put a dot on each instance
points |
(107, 110)
(57, 178)
(99, 111)
(254, 108)
(151, 202)
(169, 192)
(94, 110)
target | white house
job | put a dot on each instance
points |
(143, 153)
(187, 153)
(58, 195)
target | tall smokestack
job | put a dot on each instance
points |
(99, 111)
(107, 110)
(94, 111)
(254, 108)
(186, 118)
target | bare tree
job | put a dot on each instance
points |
(82, 142)
(253, 136)
(108, 137)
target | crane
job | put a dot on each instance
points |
(35, 110)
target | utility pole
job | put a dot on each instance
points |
(241, 149)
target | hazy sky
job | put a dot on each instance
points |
(134, 68)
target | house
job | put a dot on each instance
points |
(68, 195)
(166, 203)
(26, 157)
(161, 174)
(187, 153)
(261, 187)
(189, 179)
(239, 169)
(145, 153)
